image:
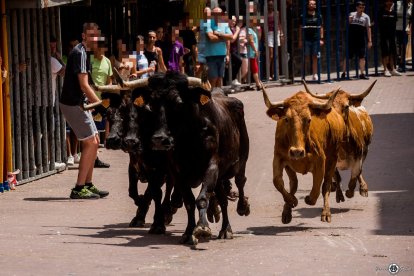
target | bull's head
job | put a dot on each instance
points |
(344, 99)
(294, 116)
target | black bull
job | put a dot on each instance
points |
(203, 138)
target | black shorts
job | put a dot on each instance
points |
(356, 48)
(388, 47)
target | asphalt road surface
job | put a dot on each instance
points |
(43, 232)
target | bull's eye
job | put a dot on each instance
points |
(286, 119)
(308, 121)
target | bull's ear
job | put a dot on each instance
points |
(275, 113)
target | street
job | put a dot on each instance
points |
(43, 232)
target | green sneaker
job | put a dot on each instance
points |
(95, 190)
(83, 194)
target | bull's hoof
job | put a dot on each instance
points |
(286, 214)
(291, 200)
(363, 192)
(157, 229)
(243, 206)
(309, 201)
(339, 196)
(137, 222)
(202, 232)
(188, 239)
(349, 193)
(226, 233)
(326, 216)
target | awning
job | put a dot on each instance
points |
(36, 4)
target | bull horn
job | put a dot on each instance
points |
(268, 103)
(135, 83)
(114, 89)
(364, 94)
(326, 105)
(196, 82)
(313, 95)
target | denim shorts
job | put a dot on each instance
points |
(80, 121)
(216, 65)
(311, 48)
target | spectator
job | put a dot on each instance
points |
(271, 35)
(201, 45)
(142, 70)
(163, 42)
(57, 69)
(190, 46)
(75, 85)
(253, 51)
(313, 36)
(359, 28)
(402, 32)
(71, 140)
(236, 60)
(243, 52)
(121, 60)
(216, 49)
(176, 61)
(154, 53)
(387, 26)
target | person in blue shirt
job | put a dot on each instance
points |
(216, 47)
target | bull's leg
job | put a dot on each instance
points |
(289, 199)
(207, 187)
(154, 183)
(226, 232)
(356, 169)
(336, 186)
(243, 206)
(318, 175)
(293, 183)
(143, 201)
(166, 204)
(363, 186)
(189, 203)
(326, 190)
(213, 210)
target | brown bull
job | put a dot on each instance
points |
(358, 136)
(308, 137)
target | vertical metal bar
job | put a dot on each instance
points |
(304, 11)
(36, 92)
(44, 93)
(318, 60)
(275, 39)
(347, 39)
(374, 34)
(23, 97)
(405, 36)
(16, 92)
(327, 39)
(266, 34)
(284, 51)
(62, 121)
(50, 112)
(367, 9)
(338, 36)
(29, 89)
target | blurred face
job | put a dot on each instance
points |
(53, 47)
(312, 5)
(360, 8)
(152, 37)
(160, 33)
(91, 38)
(139, 45)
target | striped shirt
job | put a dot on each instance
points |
(78, 62)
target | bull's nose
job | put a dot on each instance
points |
(162, 142)
(113, 142)
(131, 143)
(296, 153)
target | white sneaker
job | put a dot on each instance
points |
(235, 83)
(387, 73)
(60, 166)
(76, 158)
(315, 77)
(71, 160)
(395, 73)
